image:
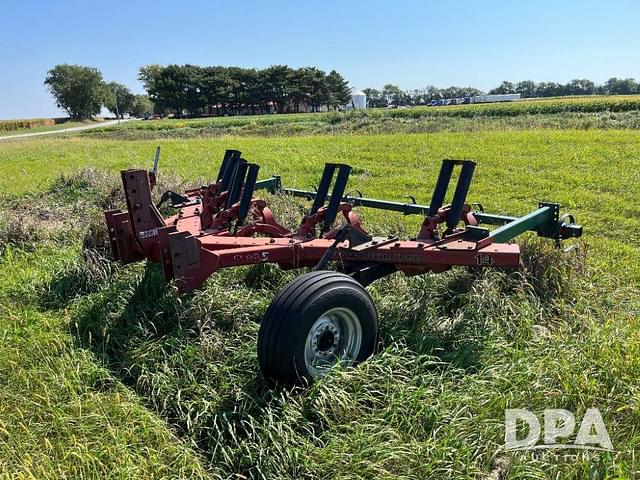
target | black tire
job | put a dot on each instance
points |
(342, 314)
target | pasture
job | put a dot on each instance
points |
(107, 373)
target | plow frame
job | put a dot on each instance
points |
(321, 317)
(210, 229)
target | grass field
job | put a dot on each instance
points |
(566, 113)
(106, 373)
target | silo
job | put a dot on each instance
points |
(358, 99)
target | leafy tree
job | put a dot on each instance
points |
(251, 95)
(526, 88)
(278, 85)
(77, 89)
(150, 76)
(319, 93)
(504, 88)
(214, 88)
(300, 88)
(374, 98)
(339, 91)
(190, 77)
(142, 106)
(393, 94)
(548, 89)
(618, 86)
(580, 87)
(118, 99)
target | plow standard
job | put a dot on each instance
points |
(323, 316)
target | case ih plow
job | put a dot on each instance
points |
(322, 316)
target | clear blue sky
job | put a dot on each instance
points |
(411, 43)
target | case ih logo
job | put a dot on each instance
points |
(484, 260)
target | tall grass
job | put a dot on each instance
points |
(108, 372)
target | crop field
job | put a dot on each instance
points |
(14, 127)
(572, 113)
(107, 373)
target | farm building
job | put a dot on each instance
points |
(358, 100)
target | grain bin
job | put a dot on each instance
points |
(358, 99)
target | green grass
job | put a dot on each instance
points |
(62, 414)
(125, 379)
(572, 112)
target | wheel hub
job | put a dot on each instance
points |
(326, 339)
(335, 336)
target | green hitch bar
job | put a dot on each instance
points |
(272, 185)
(532, 221)
(545, 221)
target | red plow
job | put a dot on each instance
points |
(323, 316)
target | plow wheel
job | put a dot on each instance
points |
(317, 320)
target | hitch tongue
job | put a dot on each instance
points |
(569, 228)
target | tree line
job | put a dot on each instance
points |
(217, 90)
(195, 90)
(392, 94)
(82, 92)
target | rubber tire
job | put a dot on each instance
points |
(297, 306)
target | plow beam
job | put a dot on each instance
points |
(194, 259)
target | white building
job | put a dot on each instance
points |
(358, 100)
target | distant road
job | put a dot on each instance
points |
(106, 123)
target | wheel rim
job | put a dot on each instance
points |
(335, 336)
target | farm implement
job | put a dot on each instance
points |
(322, 316)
